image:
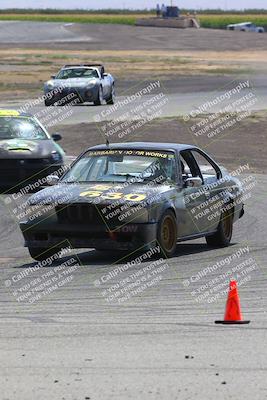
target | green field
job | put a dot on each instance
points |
(208, 20)
(221, 21)
(126, 19)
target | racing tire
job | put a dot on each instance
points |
(222, 237)
(41, 254)
(111, 98)
(99, 100)
(167, 233)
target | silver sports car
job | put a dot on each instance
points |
(80, 84)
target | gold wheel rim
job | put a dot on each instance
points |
(168, 234)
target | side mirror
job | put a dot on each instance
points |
(52, 180)
(53, 76)
(193, 182)
(56, 137)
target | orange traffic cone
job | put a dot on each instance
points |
(233, 313)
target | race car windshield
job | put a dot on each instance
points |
(21, 128)
(120, 166)
(77, 73)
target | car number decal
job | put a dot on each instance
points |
(114, 195)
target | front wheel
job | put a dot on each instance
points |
(99, 100)
(41, 254)
(167, 233)
(111, 98)
(222, 237)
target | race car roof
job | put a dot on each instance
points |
(144, 146)
(78, 67)
(99, 67)
(83, 65)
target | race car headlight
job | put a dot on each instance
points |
(31, 213)
(91, 84)
(50, 85)
(35, 213)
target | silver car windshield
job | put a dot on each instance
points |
(77, 73)
(120, 166)
(21, 128)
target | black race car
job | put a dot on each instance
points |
(27, 152)
(132, 195)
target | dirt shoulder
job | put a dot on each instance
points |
(246, 143)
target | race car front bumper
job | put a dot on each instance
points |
(127, 237)
(71, 94)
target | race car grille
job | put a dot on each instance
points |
(79, 214)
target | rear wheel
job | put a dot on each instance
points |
(167, 233)
(222, 237)
(111, 99)
(99, 100)
(41, 254)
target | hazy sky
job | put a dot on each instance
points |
(238, 4)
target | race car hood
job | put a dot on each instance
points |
(102, 193)
(18, 148)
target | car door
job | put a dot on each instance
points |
(212, 187)
(105, 84)
(191, 216)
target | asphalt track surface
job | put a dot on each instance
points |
(161, 343)
(180, 97)
(122, 37)
(175, 105)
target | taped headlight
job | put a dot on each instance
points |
(30, 213)
(39, 212)
(50, 85)
(56, 156)
(91, 84)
